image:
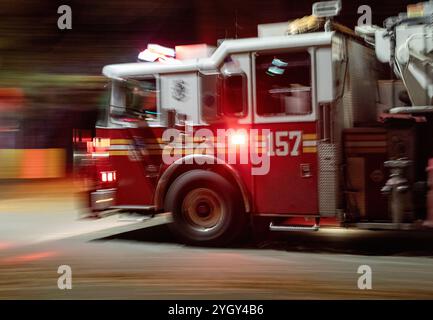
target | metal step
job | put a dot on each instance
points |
(273, 227)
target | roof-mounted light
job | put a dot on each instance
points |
(163, 51)
(155, 52)
(194, 51)
(326, 9)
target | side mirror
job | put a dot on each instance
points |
(233, 102)
(169, 116)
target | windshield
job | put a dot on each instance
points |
(141, 99)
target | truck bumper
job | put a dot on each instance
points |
(102, 199)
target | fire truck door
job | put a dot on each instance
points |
(284, 104)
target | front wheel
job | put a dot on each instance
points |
(206, 208)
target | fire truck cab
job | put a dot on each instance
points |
(254, 128)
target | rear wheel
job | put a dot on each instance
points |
(206, 208)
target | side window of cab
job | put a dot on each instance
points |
(135, 100)
(141, 99)
(283, 83)
(224, 92)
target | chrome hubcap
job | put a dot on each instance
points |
(203, 209)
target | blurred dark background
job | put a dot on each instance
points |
(114, 31)
(50, 79)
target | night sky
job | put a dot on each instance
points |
(115, 31)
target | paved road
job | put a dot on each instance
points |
(128, 260)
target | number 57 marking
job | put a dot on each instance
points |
(281, 147)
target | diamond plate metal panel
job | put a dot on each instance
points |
(329, 171)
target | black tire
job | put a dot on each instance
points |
(207, 210)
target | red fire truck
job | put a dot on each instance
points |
(289, 129)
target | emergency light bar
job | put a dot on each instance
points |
(164, 51)
(155, 52)
(193, 51)
(326, 9)
(147, 56)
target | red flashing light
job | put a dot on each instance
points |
(108, 176)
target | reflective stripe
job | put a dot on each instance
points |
(120, 147)
(309, 150)
(309, 136)
(311, 143)
(120, 141)
(119, 153)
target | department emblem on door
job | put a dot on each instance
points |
(179, 90)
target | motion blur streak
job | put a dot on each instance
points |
(5, 245)
(28, 257)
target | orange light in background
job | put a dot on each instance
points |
(29, 257)
(42, 163)
(11, 99)
(34, 163)
(5, 245)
